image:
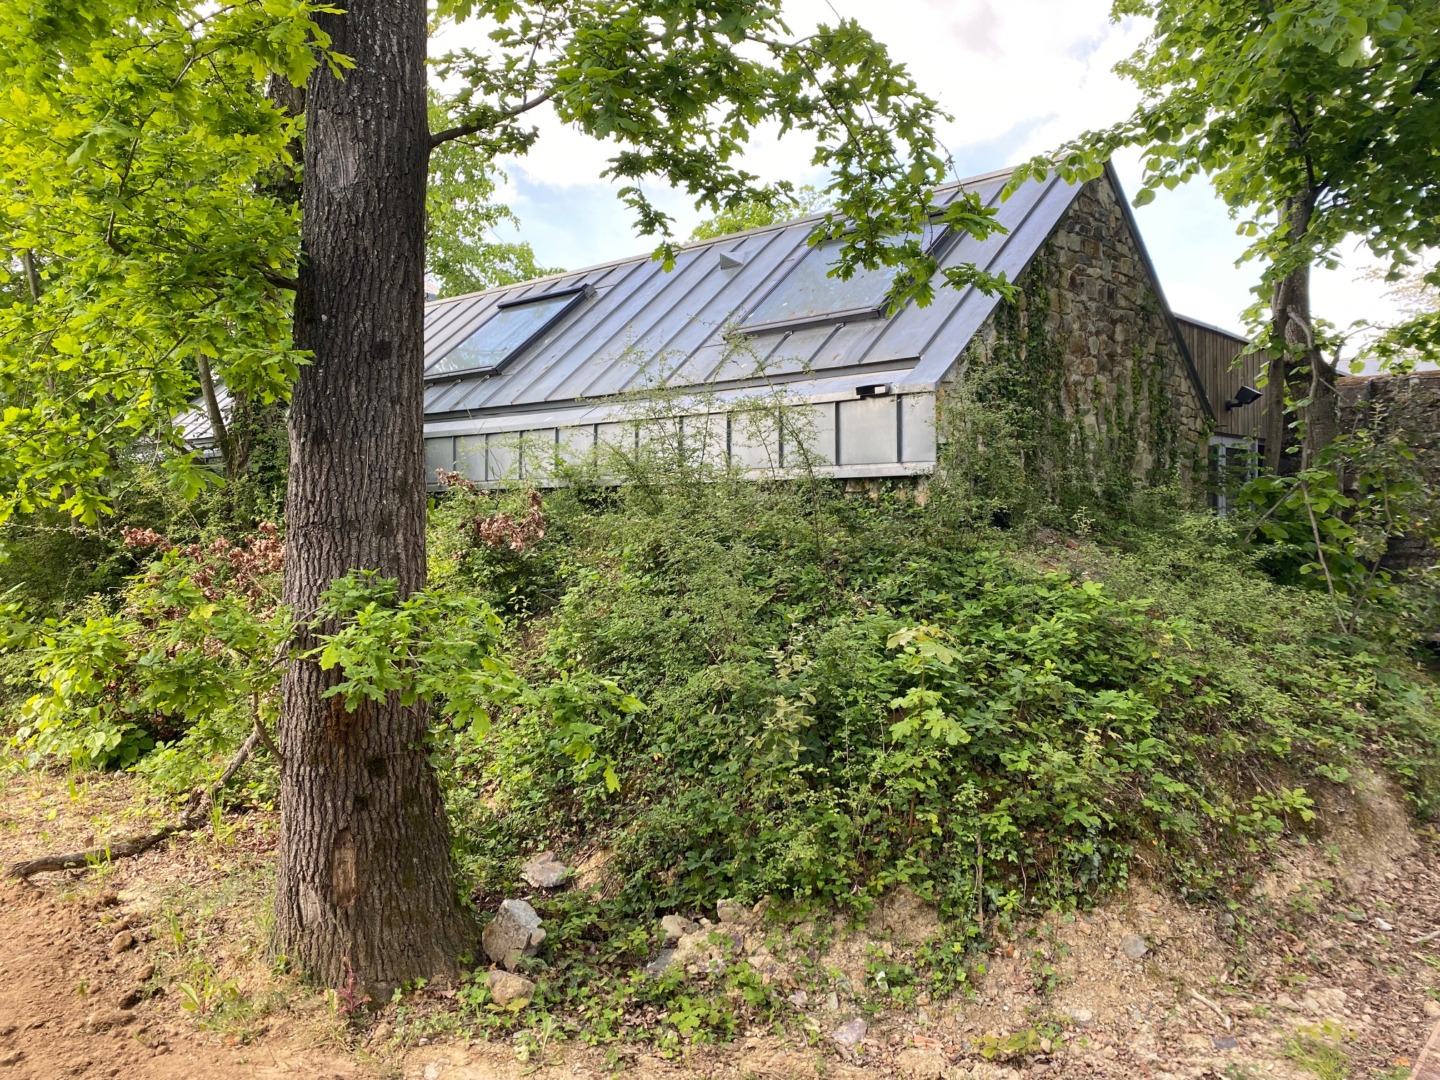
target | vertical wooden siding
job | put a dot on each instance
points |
(1214, 352)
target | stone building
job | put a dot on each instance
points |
(1407, 406)
(1088, 357)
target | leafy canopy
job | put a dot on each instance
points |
(141, 160)
(135, 148)
(679, 87)
(1339, 99)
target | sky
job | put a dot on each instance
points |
(1020, 77)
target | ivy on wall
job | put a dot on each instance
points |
(1081, 440)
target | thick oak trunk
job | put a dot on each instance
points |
(365, 877)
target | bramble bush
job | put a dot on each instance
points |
(847, 693)
(173, 675)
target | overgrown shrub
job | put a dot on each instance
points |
(171, 675)
(847, 692)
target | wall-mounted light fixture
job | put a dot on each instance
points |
(1246, 395)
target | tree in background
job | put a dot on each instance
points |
(135, 145)
(138, 146)
(1316, 121)
(462, 251)
(756, 213)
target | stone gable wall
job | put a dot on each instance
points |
(1089, 361)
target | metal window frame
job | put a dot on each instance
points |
(938, 248)
(578, 294)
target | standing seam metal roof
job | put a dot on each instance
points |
(646, 327)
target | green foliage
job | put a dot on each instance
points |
(1330, 527)
(681, 91)
(136, 146)
(462, 252)
(169, 678)
(1331, 102)
(846, 695)
(1319, 1049)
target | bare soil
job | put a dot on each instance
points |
(156, 968)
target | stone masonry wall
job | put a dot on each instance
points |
(1090, 346)
(1408, 406)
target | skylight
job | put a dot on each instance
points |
(808, 292)
(513, 328)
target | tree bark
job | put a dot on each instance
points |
(365, 877)
(1298, 372)
(215, 413)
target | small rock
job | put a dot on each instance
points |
(1383, 926)
(515, 932)
(1133, 946)
(1432, 1008)
(1225, 1042)
(1355, 916)
(832, 1002)
(676, 927)
(922, 1017)
(545, 871)
(1226, 920)
(848, 1035)
(101, 1020)
(730, 911)
(146, 972)
(763, 962)
(434, 1070)
(799, 999)
(1082, 1017)
(108, 898)
(915, 1063)
(12, 1058)
(661, 963)
(122, 942)
(129, 999)
(506, 988)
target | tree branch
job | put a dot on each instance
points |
(462, 131)
(32, 275)
(193, 816)
(279, 280)
(212, 408)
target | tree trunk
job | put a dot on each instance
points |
(216, 414)
(1299, 371)
(365, 889)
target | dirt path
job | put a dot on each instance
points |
(68, 1008)
(155, 969)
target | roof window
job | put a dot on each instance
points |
(809, 294)
(513, 328)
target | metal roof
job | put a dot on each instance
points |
(648, 328)
(638, 327)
